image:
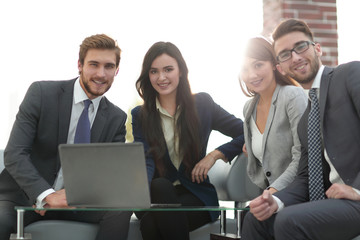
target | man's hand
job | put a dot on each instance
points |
(54, 200)
(263, 206)
(342, 191)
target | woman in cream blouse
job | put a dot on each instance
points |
(174, 125)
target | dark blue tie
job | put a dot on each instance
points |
(82, 134)
(316, 184)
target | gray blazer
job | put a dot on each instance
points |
(281, 145)
(42, 123)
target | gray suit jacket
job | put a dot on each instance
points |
(281, 145)
(340, 125)
(42, 123)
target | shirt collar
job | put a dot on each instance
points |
(80, 95)
(163, 110)
(317, 80)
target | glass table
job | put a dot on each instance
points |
(20, 234)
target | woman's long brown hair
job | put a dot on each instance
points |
(187, 125)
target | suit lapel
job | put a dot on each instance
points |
(324, 86)
(248, 114)
(250, 110)
(65, 107)
(303, 127)
(270, 118)
(100, 120)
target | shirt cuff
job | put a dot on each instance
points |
(356, 190)
(40, 202)
(280, 204)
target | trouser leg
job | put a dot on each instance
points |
(7, 219)
(148, 227)
(194, 219)
(254, 229)
(114, 225)
(330, 219)
(172, 225)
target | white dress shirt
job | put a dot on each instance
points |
(256, 140)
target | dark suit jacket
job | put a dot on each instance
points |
(211, 117)
(42, 123)
(340, 125)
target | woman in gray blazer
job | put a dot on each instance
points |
(271, 118)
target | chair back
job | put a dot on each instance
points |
(2, 166)
(232, 182)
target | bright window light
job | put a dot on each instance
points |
(40, 41)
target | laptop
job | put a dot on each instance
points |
(105, 175)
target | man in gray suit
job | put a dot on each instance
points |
(47, 117)
(335, 212)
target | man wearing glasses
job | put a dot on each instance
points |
(323, 202)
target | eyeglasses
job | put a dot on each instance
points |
(299, 48)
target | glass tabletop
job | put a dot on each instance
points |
(157, 208)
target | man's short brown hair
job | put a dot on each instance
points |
(292, 25)
(99, 41)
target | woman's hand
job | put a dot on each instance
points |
(272, 190)
(244, 150)
(201, 169)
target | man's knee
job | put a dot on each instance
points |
(286, 224)
(284, 220)
(255, 229)
(249, 220)
(250, 223)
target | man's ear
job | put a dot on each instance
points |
(279, 68)
(80, 66)
(318, 49)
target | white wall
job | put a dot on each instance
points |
(348, 30)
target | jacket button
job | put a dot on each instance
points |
(268, 174)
